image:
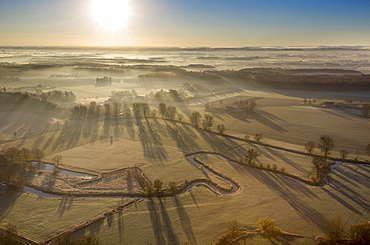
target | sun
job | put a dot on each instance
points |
(111, 14)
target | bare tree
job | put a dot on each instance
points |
(195, 118)
(208, 122)
(171, 112)
(180, 117)
(309, 146)
(343, 153)
(326, 144)
(12, 154)
(251, 155)
(39, 154)
(158, 185)
(57, 159)
(258, 137)
(221, 128)
(162, 109)
(320, 167)
(234, 227)
(26, 154)
(149, 188)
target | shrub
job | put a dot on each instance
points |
(360, 233)
(274, 166)
(268, 227)
(335, 230)
(234, 228)
(282, 169)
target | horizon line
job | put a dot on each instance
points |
(300, 47)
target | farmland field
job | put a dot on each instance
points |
(204, 175)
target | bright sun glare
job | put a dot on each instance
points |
(111, 14)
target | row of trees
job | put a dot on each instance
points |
(22, 155)
(326, 145)
(207, 121)
(266, 226)
(336, 233)
(244, 105)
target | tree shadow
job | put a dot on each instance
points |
(151, 142)
(184, 141)
(185, 222)
(265, 119)
(171, 236)
(110, 220)
(281, 188)
(69, 135)
(222, 144)
(156, 222)
(7, 201)
(286, 160)
(64, 204)
(129, 125)
(194, 199)
(120, 224)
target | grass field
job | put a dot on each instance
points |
(199, 216)
(298, 124)
(39, 218)
(158, 147)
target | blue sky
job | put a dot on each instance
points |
(189, 23)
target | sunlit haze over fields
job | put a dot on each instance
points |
(184, 122)
(184, 23)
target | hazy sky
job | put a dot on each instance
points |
(186, 23)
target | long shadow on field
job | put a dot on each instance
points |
(120, 225)
(48, 142)
(106, 127)
(194, 199)
(69, 135)
(281, 186)
(342, 201)
(39, 140)
(222, 144)
(65, 204)
(343, 187)
(264, 151)
(95, 226)
(354, 174)
(264, 118)
(129, 127)
(171, 236)
(286, 160)
(151, 142)
(185, 141)
(342, 114)
(110, 220)
(156, 222)
(7, 202)
(185, 222)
